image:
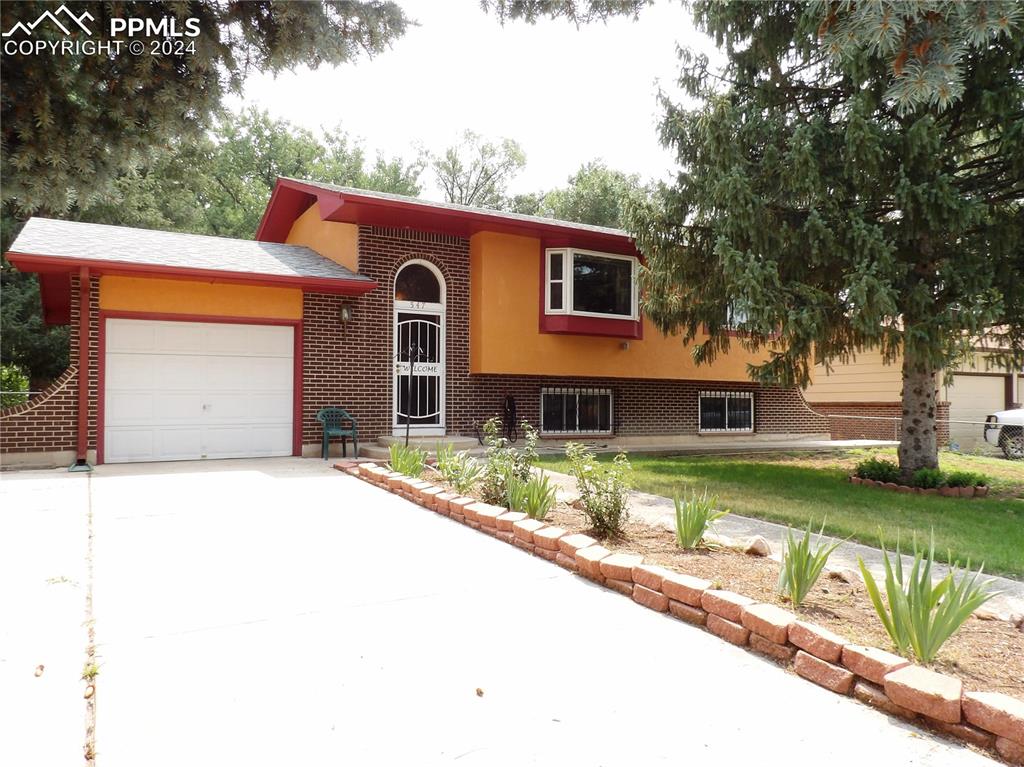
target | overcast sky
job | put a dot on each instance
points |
(566, 95)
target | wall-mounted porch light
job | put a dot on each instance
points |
(345, 313)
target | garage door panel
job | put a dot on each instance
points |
(129, 336)
(971, 398)
(185, 390)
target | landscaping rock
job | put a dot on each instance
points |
(843, 575)
(684, 588)
(548, 538)
(588, 561)
(769, 621)
(548, 554)
(654, 600)
(566, 561)
(688, 613)
(570, 544)
(505, 536)
(429, 496)
(1010, 750)
(486, 514)
(757, 546)
(728, 630)
(819, 642)
(821, 672)
(620, 566)
(623, 587)
(964, 732)
(509, 518)
(441, 501)
(871, 663)
(1005, 613)
(521, 544)
(725, 604)
(457, 506)
(996, 713)
(926, 692)
(525, 528)
(780, 652)
(874, 696)
(650, 576)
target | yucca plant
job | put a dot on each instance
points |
(515, 493)
(693, 516)
(802, 566)
(922, 615)
(540, 496)
(407, 460)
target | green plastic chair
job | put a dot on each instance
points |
(338, 423)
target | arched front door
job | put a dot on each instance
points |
(418, 381)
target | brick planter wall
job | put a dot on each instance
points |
(864, 426)
(49, 421)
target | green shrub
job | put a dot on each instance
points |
(14, 385)
(603, 488)
(802, 566)
(505, 461)
(457, 469)
(407, 460)
(878, 469)
(928, 478)
(540, 496)
(693, 517)
(920, 615)
(965, 479)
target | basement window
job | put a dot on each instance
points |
(726, 411)
(590, 284)
(575, 411)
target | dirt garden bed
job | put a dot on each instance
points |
(985, 654)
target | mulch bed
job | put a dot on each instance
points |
(985, 654)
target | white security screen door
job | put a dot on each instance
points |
(194, 390)
(419, 351)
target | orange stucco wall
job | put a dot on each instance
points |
(143, 294)
(331, 239)
(504, 334)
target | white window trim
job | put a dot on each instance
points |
(749, 395)
(567, 283)
(577, 390)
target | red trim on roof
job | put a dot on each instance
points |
(31, 262)
(292, 198)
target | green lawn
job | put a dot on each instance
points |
(793, 488)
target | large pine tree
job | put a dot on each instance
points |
(851, 178)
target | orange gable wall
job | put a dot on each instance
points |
(331, 239)
(504, 334)
(143, 294)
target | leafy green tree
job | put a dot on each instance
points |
(73, 125)
(572, 10)
(476, 171)
(595, 195)
(833, 212)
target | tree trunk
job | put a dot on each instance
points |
(919, 442)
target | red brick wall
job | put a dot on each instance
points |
(873, 420)
(644, 406)
(351, 367)
(49, 421)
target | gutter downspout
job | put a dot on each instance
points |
(84, 310)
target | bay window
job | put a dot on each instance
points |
(591, 284)
(726, 411)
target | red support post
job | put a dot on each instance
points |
(84, 312)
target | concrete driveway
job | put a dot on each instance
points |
(274, 612)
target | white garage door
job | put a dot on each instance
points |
(971, 398)
(189, 390)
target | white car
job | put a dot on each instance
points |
(1005, 429)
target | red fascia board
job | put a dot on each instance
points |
(354, 208)
(29, 262)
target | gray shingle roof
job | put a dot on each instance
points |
(100, 242)
(520, 218)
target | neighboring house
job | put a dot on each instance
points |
(188, 346)
(862, 397)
